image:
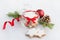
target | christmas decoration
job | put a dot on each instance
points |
(35, 33)
(45, 21)
(15, 16)
(40, 12)
(32, 18)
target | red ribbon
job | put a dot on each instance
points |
(30, 19)
(10, 22)
(29, 11)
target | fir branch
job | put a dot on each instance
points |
(14, 15)
(49, 25)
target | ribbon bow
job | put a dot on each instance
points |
(30, 19)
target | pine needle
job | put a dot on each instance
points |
(49, 25)
(14, 15)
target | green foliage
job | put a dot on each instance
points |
(14, 15)
(49, 25)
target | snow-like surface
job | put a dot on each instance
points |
(50, 7)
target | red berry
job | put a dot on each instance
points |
(40, 13)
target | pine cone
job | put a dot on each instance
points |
(45, 19)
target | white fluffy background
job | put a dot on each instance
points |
(50, 7)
